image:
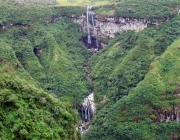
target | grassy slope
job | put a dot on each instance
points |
(133, 116)
(127, 58)
(59, 68)
(122, 65)
(27, 112)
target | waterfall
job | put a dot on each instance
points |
(88, 36)
(88, 107)
(88, 110)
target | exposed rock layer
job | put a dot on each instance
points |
(107, 27)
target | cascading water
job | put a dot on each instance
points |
(88, 108)
(89, 35)
(92, 39)
(87, 111)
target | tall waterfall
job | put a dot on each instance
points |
(89, 35)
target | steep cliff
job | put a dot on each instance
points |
(107, 27)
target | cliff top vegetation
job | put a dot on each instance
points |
(82, 2)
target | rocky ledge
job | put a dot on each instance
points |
(107, 27)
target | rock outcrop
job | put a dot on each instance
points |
(107, 27)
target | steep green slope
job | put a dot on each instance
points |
(50, 52)
(127, 58)
(143, 114)
(117, 70)
(40, 60)
(26, 111)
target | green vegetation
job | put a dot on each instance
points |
(38, 63)
(153, 10)
(127, 58)
(159, 10)
(128, 108)
(138, 115)
(30, 14)
(50, 53)
(43, 67)
(27, 112)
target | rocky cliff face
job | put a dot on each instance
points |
(107, 27)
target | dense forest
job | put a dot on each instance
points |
(47, 71)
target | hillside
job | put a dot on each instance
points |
(27, 111)
(124, 112)
(49, 52)
(151, 110)
(37, 59)
(127, 58)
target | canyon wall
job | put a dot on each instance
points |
(107, 27)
